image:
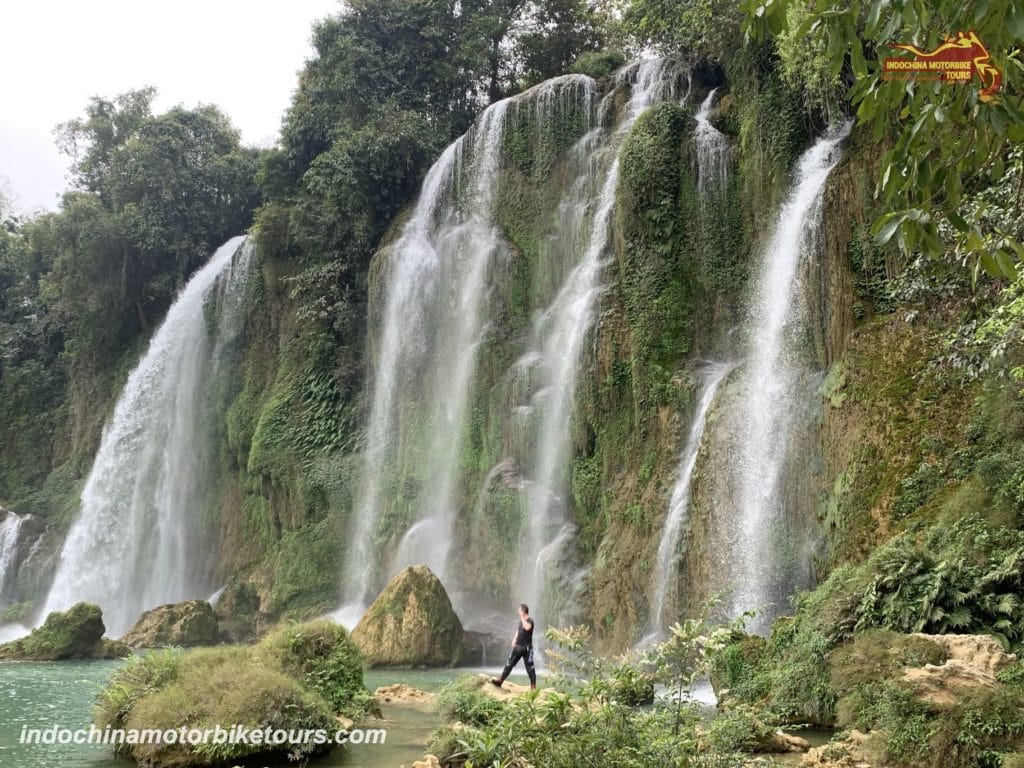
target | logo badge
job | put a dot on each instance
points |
(957, 60)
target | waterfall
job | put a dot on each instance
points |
(771, 399)
(435, 293)
(433, 322)
(712, 152)
(141, 537)
(10, 538)
(665, 575)
(559, 334)
(431, 328)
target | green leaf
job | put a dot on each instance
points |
(1006, 265)
(886, 227)
(958, 222)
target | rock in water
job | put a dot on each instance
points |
(188, 624)
(76, 633)
(411, 623)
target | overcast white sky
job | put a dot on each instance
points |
(54, 54)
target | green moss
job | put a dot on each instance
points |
(306, 575)
(73, 634)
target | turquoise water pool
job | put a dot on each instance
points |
(43, 694)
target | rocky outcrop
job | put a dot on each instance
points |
(188, 624)
(411, 623)
(403, 694)
(852, 752)
(972, 661)
(73, 634)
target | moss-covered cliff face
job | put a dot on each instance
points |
(287, 462)
(674, 296)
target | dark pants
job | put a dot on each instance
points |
(524, 652)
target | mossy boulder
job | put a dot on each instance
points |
(73, 634)
(187, 624)
(411, 623)
(299, 677)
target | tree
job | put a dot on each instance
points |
(156, 194)
(555, 33)
(946, 141)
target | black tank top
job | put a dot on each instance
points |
(524, 636)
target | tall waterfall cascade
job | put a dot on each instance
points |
(141, 536)
(772, 396)
(435, 312)
(431, 327)
(546, 579)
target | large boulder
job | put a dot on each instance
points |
(187, 624)
(411, 624)
(73, 634)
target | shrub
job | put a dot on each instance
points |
(297, 678)
(461, 701)
(139, 677)
(219, 686)
(322, 655)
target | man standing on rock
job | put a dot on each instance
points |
(522, 648)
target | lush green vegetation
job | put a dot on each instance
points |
(591, 716)
(299, 677)
(922, 465)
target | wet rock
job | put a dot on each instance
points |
(852, 752)
(411, 623)
(188, 624)
(402, 693)
(73, 634)
(972, 662)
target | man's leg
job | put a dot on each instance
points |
(528, 662)
(513, 659)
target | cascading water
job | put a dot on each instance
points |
(141, 535)
(679, 502)
(559, 334)
(771, 394)
(434, 320)
(431, 327)
(10, 538)
(712, 151)
(436, 313)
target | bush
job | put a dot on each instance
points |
(630, 686)
(322, 655)
(139, 677)
(598, 64)
(224, 686)
(299, 677)
(461, 701)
